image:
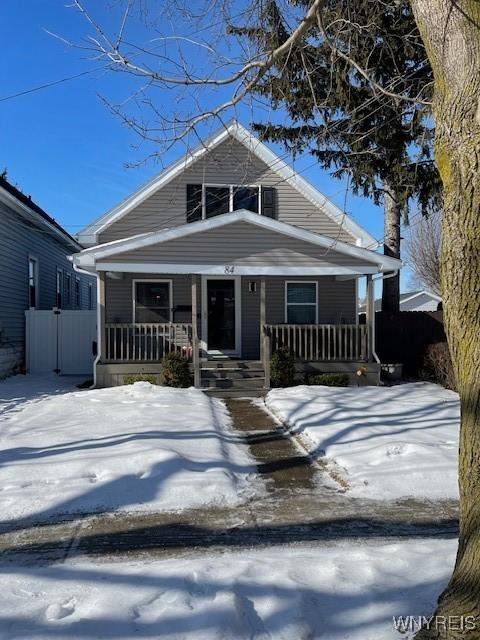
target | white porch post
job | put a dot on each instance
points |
(101, 316)
(264, 339)
(370, 316)
(195, 341)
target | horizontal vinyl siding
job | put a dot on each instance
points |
(18, 240)
(230, 163)
(241, 244)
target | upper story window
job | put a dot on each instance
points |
(32, 282)
(208, 200)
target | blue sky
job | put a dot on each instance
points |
(63, 147)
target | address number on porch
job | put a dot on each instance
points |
(229, 269)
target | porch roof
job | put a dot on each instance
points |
(241, 242)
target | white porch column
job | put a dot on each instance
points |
(195, 341)
(101, 333)
(370, 316)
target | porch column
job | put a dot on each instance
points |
(370, 316)
(264, 340)
(101, 333)
(195, 342)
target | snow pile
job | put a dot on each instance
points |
(285, 593)
(386, 442)
(132, 448)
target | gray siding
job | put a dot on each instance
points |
(240, 243)
(336, 302)
(230, 163)
(18, 240)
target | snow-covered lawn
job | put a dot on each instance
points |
(133, 448)
(341, 591)
(386, 442)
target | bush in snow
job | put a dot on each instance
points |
(330, 379)
(437, 365)
(282, 369)
(176, 370)
(140, 377)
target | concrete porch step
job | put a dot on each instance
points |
(234, 374)
(235, 393)
(229, 364)
(233, 383)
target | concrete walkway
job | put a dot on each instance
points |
(302, 503)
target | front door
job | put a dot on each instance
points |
(221, 312)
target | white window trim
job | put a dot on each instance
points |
(59, 286)
(34, 259)
(231, 187)
(77, 303)
(90, 296)
(301, 304)
(151, 280)
(68, 299)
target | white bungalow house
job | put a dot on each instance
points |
(226, 256)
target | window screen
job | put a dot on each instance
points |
(217, 201)
(245, 198)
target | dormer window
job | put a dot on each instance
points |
(210, 200)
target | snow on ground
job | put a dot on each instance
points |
(132, 448)
(346, 590)
(387, 442)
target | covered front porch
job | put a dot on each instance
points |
(230, 325)
(232, 289)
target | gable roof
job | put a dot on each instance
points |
(26, 207)
(234, 129)
(404, 297)
(89, 257)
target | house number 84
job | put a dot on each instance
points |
(229, 268)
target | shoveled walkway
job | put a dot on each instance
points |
(302, 503)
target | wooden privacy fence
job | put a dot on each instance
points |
(403, 337)
(320, 341)
(146, 342)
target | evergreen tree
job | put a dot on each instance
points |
(382, 142)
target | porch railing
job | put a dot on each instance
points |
(146, 342)
(319, 341)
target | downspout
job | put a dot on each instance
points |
(99, 329)
(382, 277)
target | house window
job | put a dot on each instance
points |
(90, 295)
(77, 293)
(208, 200)
(68, 289)
(301, 303)
(152, 301)
(32, 282)
(59, 300)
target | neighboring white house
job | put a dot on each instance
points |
(412, 301)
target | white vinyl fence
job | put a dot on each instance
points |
(60, 341)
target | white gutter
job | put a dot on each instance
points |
(99, 329)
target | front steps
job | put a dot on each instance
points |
(232, 378)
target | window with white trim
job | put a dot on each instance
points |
(90, 295)
(209, 200)
(77, 293)
(59, 289)
(68, 289)
(32, 282)
(152, 301)
(301, 302)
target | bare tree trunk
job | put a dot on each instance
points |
(391, 247)
(451, 32)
